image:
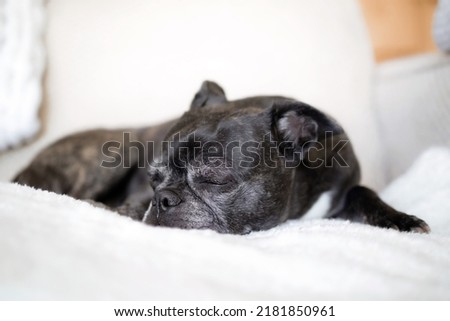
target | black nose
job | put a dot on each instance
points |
(166, 199)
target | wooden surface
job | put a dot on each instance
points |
(399, 28)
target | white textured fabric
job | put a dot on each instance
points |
(441, 25)
(21, 69)
(425, 190)
(55, 247)
(139, 62)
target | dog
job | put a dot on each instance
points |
(230, 166)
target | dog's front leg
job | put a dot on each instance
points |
(363, 205)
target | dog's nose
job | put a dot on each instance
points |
(166, 199)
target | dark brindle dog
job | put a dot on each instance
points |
(231, 166)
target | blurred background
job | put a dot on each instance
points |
(380, 67)
(400, 28)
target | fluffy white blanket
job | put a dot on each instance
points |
(22, 60)
(55, 247)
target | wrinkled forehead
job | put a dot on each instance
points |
(218, 123)
(205, 147)
(214, 136)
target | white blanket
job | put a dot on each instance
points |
(55, 247)
(22, 60)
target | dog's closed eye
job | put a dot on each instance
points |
(211, 181)
(212, 176)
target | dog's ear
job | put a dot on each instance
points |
(209, 94)
(297, 126)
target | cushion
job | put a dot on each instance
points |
(130, 63)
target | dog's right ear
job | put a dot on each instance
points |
(209, 94)
(298, 126)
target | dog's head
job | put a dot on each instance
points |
(230, 166)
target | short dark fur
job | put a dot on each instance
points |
(228, 199)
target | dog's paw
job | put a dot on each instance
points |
(402, 222)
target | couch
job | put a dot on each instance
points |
(113, 63)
